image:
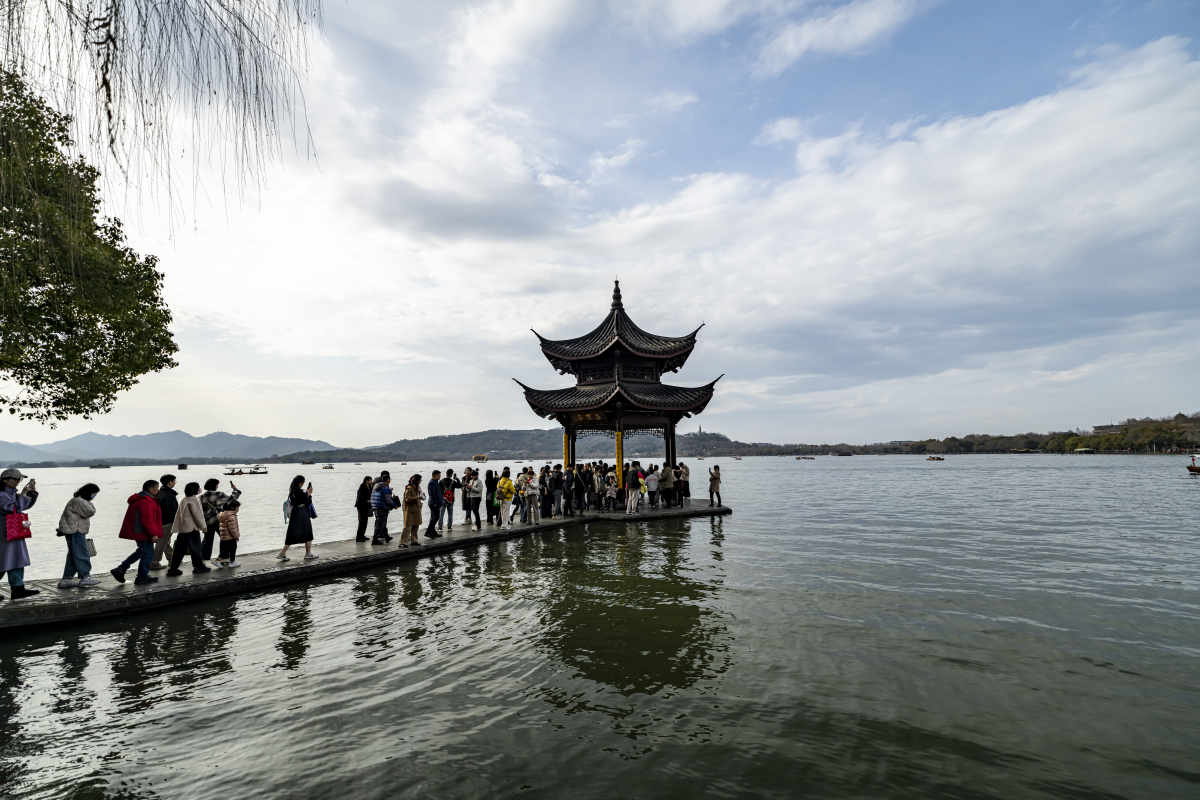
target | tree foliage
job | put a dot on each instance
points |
(81, 314)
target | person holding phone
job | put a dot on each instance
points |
(299, 530)
(14, 555)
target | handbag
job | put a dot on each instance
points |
(16, 525)
(312, 511)
(91, 546)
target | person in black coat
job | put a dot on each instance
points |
(299, 530)
(363, 503)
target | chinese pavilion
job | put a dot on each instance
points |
(618, 389)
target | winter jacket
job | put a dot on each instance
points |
(229, 526)
(412, 506)
(652, 481)
(190, 517)
(667, 481)
(11, 501)
(504, 489)
(213, 503)
(77, 516)
(168, 505)
(714, 481)
(143, 520)
(474, 488)
(363, 499)
(381, 497)
(435, 494)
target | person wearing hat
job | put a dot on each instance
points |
(14, 555)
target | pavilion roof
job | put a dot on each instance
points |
(649, 396)
(618, 327)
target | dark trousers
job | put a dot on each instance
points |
(473, 508)
(491, 508)
(210, 533)
(185, 544)
(435, 513)
(710, 497)
(547, 504)
(229, 549)
(363, 515)
(380, 532)
(143, 554)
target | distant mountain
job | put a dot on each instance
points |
(173, 444)
(11, 452)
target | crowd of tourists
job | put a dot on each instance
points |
(202, 518)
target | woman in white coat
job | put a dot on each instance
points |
(74, 527)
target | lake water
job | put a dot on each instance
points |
(984, 627)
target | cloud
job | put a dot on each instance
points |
(601, 163)
(847, 29)
(671, 101)
(780, 130)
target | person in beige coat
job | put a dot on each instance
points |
(230, 533)
(187, 527)
(412, 512)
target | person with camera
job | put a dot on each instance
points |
(299, 529)
(14, 555)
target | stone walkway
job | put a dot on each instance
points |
(263, 570)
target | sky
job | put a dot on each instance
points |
(897, 219)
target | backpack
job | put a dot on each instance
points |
(448, 495)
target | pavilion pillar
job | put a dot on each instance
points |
(566, 447)
(571, 449)
(620, 435)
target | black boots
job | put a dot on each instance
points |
(20, 591)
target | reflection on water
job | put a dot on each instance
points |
(997, 629)
(623, 610)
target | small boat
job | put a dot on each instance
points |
(737, 458)
(358, 463)
(480, 459)
(935, 458)
(327, 466)
(402, 463)
(100, 466)
(181, 466)
(698, 458)
(843, 454)
(233, 471)
(805, 458)
(384, 461)
(307, 462)
(259, 470)
(1192, 468)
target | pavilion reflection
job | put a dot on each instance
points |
(625, 609)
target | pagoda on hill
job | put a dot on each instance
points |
(618, 370)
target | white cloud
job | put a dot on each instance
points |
(671, 101)
(602, 163)
(846, 29)
(780, 130)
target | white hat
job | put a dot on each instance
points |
(12, 472)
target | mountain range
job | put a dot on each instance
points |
(167, 445)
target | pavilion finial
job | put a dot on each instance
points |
(617, 295)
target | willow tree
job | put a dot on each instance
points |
(117, 88)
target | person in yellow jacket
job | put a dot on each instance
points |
(505, 491)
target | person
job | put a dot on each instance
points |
(188, 524)
(714, 485)
(213, 503)
(230, 533)
(582, 480)
(652, 486)
(449, 484)
(299, 529)
(168, 507)
(633, 490)
(685, 484)
(568, 491)
(436, 500)
(556, 484)
(473, 492)
(14, 555)
(666, 485)
(610, 493)
(362, 502)
(412, 512)
(532, 506)
(505, 491)
(519, 496)
(74, 527)
(544, 491)
(142, 524)
(383, 500)
(489, 484)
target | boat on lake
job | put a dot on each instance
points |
(327, 466)
(805, 458)
(100, 466)
(1192, 468)
(935, 458)
(480, 459)
(307, 462)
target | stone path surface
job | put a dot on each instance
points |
(263, 570)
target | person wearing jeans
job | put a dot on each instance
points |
(382, 502)
(74, 527)
(143, 524)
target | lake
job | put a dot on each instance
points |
(985, 627)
